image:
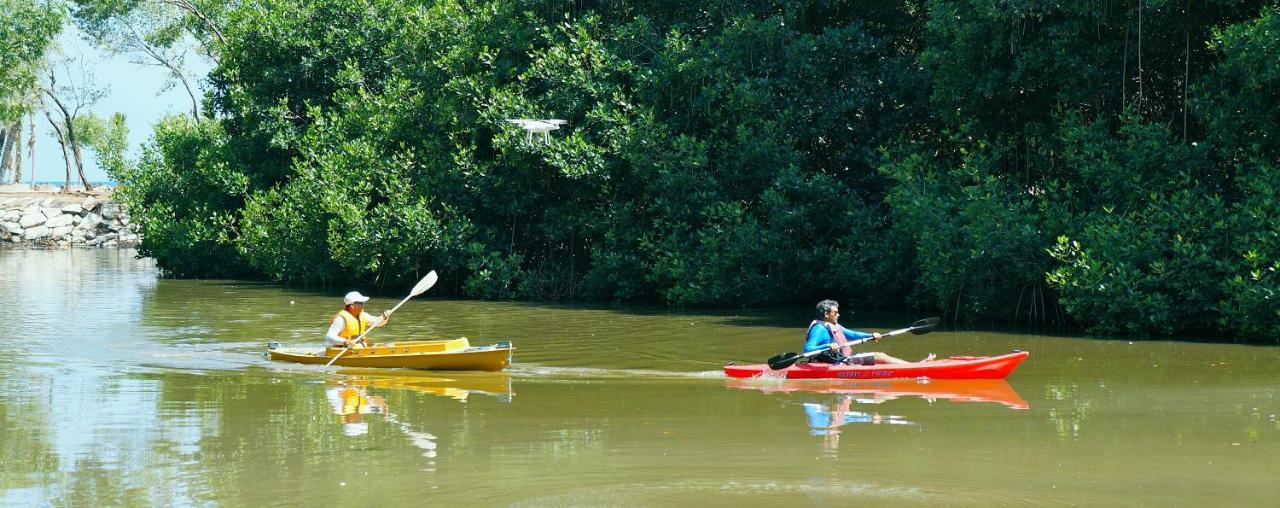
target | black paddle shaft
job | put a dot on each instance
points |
(785, 360)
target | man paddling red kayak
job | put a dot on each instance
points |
(787, 365)
(826, 335)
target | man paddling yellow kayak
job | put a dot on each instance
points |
(352, 321)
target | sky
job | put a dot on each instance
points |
(134, 90)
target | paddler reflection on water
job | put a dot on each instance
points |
(826, 420)
(352, 321)
(351, 403)
(350, 400)
(825, 333)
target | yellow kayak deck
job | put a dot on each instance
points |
(454, 354)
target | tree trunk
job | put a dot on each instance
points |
(6, 143)
(177, 73)
(31, 148)
(1141, 99)
(1124, 73)
(195, 104)
(66, 184)
(17, 151)
(62, 141)
(10, 156)
(1186, 75)
(75, 150)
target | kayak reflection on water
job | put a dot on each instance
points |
(826, 419)
(350, 398)
(457, 386)
(876, 391)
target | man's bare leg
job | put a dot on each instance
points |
(882, 358)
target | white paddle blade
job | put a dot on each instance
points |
(425, 284)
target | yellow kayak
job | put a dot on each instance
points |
(455, 354)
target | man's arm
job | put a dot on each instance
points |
(856, 335)
(376, 321)
(331, 337)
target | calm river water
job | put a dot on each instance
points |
(121, 388)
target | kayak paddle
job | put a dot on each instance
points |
(421, 287)
(785, 360)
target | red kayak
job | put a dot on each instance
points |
(956, 367)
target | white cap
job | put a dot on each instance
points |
(354, 297)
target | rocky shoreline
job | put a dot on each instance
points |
(44, 220)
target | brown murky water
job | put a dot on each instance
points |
(120, 388)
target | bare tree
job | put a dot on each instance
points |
(62, 141)
(69, 101)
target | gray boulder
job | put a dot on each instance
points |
(61, 220)
(32, 220)
(35, 233)
(91, 220)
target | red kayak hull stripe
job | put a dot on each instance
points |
(956, 367)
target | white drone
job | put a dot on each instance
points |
(542, 126)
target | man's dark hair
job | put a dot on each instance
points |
(824, 306)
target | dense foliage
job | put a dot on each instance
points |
(1111, 164)
(27, 29)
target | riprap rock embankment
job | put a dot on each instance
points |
(64, 221)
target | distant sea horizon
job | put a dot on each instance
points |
(59, 183)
